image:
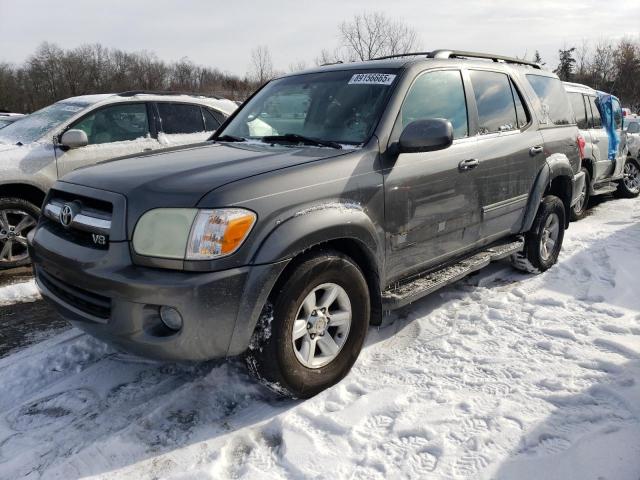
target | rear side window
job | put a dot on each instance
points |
(617, 113)
(437, 95)
(496, 107)
(180, 118)
(633, 127)
(596, 120)
(555, 105)
(210, 122)
(577, 103)
(521, 111)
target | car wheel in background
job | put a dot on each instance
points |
(542, 243)
(579, 210)
(17, 218)
(629, 186)
(312, 331)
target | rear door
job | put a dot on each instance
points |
(114, 130)
(431, 205)
(508, 150)
(603, 167)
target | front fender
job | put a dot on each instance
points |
(320, 224)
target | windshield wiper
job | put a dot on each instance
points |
(295, 138)
(230, 138)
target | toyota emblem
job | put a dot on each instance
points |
(66, 215)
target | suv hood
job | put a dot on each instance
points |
(181, 176)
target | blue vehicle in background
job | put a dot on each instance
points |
(605, 161)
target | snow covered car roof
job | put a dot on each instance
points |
(578, 87)
(221, 104)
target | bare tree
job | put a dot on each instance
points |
(583, 52)
(371, 35)
(261, 64)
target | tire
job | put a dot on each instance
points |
(629, 186)
(276, 360)
(579, 210)
(17, 218)
(533, 258)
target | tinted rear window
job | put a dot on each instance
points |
(555, 105)
(180, 118)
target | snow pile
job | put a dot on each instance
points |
(19, 292)
(502, 376)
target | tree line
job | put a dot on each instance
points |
(52, 73)
(608, 66)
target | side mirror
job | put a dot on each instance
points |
(426, 136)
(74, 139)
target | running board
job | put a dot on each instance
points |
(406, 293)
(604, 188)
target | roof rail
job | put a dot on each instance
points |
(408, 54)
(133, 93)
(488, 56)
(463, 54)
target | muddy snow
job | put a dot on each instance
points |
(503, 375)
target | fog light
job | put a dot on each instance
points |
(171, 318)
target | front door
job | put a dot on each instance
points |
(431, 203)
(113, 131)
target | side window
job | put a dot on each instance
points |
(617, 113)
(596, 120)
(210, 122)
(633, 127)
(437, 95)
(553, 99)
(521, 112)
(180, 118)
(117, 123)
(577, 103)
(496, 109)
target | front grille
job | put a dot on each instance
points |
(88, 302)
(87, 222)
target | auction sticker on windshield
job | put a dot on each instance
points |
(372, 79)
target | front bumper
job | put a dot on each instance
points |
(578, 185)
(102, 293)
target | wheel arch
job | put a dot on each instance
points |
(24, 191)
(553, 179)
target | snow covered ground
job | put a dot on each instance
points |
(504, 376)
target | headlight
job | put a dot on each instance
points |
(192, 234)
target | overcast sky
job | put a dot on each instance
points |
(222, 34)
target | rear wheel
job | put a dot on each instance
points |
(543, 242)
(313, 330)
(579, 210)
(629, 186)
(17, 218)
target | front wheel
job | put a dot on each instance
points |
(312, 331)
(17, 218)
(629, 186)
(543, 242)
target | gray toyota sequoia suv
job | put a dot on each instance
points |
(327, 199)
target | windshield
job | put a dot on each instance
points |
(31, 128)
(340, 106)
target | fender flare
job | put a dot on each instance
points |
(304, 230)
(555, 167)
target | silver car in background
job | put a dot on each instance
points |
(632, 137)
(620, 176)
(81, 131)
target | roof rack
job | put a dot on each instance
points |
(464, 54)
(132, 93)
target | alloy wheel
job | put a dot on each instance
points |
(322, 325)
(14, 226)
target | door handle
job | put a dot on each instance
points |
(465, 165)
(533, 151)
(147, 149)
(595, 140)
